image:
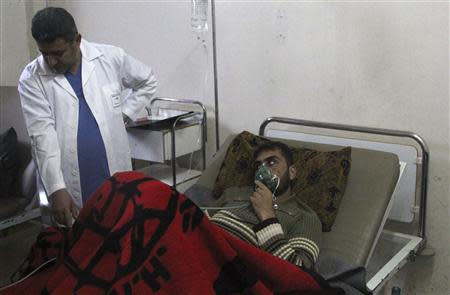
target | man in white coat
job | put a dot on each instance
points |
(74, 110)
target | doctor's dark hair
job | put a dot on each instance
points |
(51, 23)
(275, 145)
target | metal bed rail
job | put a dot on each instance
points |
(358, 129)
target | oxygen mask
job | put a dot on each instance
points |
(265, 175)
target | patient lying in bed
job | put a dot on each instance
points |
(270, 216)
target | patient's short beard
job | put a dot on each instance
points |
(285, 183)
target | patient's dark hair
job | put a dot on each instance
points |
(275, 145)
(52, 23)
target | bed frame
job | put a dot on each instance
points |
(362, 225)
(405, 245)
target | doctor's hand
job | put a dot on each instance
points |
(63, 207)
(262, 203)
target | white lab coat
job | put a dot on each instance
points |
(50, 109)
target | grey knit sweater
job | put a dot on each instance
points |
(294, 235)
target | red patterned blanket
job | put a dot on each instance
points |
(137, 235)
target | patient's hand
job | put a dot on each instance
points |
(262, 202)
(63, 207)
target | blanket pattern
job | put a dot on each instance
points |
(137, 235)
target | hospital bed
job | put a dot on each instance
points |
(363, 220)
